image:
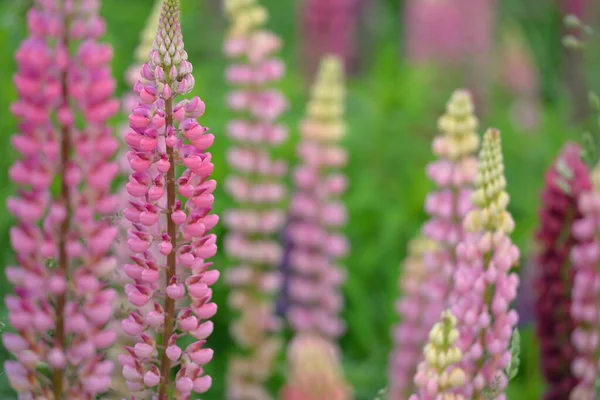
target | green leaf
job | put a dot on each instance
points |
(515, 352)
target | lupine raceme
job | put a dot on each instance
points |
(453, 173)
(329, 27)
(439, 376)
(62, 304)
(586, 293)
(164, 137)
(484, 285)
(314, 371)
(317, 211)
(258, 191)
(565, 182)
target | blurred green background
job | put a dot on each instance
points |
(392, 111)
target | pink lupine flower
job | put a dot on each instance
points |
(438, 376)
(164, 136)
(329, 27)
(586, 292)
(314, 371)
(427, 282)
(317, 213)
(62, 305)
(484, 285)
(565, 182)
(257, 189)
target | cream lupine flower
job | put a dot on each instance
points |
(439, 376)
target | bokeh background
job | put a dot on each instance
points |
(526, 83)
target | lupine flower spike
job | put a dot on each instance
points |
(317, 213)
(438, 377)
(453, 173)
(566, 180)
(163, 137)
(586, 293)
(314, 371)
(121, 248)
(62, 304)
(258, 191)
(484, 286)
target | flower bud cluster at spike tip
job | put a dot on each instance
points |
(453, 173)
(257, 188)
(317, 212)
(410, 335)
(61, 303)
(585, 295)
(169, 239)
(484, 285)
(438, 377)
(329, 27)
(314, 371)
(565, 181)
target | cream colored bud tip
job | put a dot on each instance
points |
(331, 62)
(492, 134)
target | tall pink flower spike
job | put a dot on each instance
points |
(317, 212)
(257, 188)
(62, 304)
(165, 136)
(427, 278)
(121, 249)
(484, 285)
(586, 292)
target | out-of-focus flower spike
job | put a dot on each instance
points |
(484, 285)
(314, 371)
(258, 191)
(453, 173)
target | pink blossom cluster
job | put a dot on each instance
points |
(586, 292)
(329, 27)
(424, 299)
(170, 213)
(317, 211)
(62, 304)
(484, 285)
(258, 192)
(448, 31)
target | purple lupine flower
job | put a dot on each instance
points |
(484, 285)
(565, 182)
(422, 304)
(329, 27)
(317, 211)
(165, 136)
(585, 294)
(257, 189)
(62, 304)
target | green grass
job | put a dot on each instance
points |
(392, 111)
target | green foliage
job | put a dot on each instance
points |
(515, 353)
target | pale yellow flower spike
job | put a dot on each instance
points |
(413, 265)
(490, 198)
(596, 178)
(245, 16)
(459, 126)
(148, 33)
(326, 107)
(441, 358)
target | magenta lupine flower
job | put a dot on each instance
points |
(565, 182)
(585, 295)
(62, 304)
(484, 285)
(422, 304)
(317, 212)
(257, 189)
(165, 136)
(329, 27)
